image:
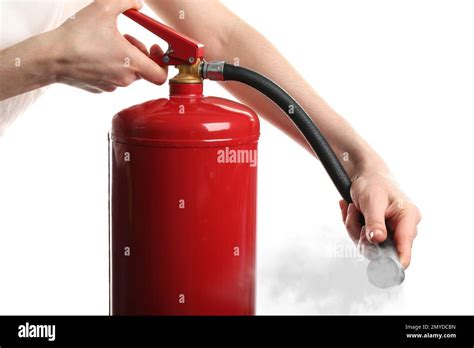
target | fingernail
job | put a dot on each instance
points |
(373, 234)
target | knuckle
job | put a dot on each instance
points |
(126, 80)
(105, 6)
(129, 3)
(409, 209)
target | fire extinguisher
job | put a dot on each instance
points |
(183, 183)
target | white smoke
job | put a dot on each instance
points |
(328, 278)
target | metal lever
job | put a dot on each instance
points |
(182, 50)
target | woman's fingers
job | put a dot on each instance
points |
(343, 205)
(137, 43)
(98, 87)
(373, 206)
(404, 217)
(155, 54)
(148, 69)
(116, 7)
(112, 58)
(352, 222)
(357, 232)
(382, 205)
(105, 86)
(366, 248)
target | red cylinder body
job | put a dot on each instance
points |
(183, 180)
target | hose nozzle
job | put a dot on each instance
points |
(385, 271)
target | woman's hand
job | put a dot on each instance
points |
(90, 52)
(377, 196)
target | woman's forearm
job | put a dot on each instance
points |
(27, 66)
(80, 53)
(352, 150)
(229, 38)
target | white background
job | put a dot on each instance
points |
(400, 71)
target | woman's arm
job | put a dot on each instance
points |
(80, 53)
(375, 194)
(27, 66)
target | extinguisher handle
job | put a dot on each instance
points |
(182, 50)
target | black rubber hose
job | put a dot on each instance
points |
(385, 270)
(301, 120)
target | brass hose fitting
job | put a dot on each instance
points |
(188, 73)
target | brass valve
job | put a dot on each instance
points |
(188, 73)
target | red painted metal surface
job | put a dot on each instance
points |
(183, 206)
